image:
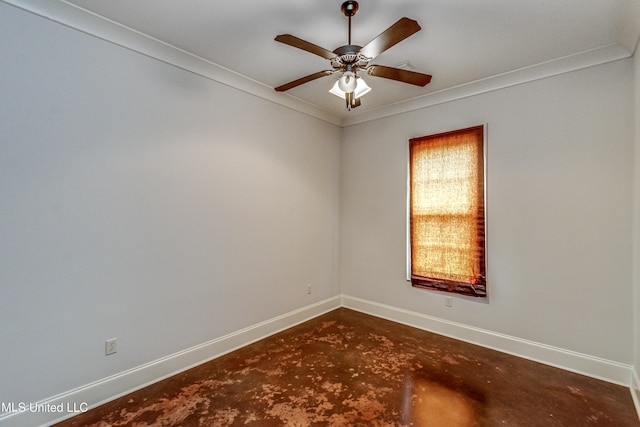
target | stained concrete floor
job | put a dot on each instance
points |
(346, 368)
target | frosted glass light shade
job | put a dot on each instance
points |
(361, 89)
(347, 82)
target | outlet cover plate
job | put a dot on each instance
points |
(111, 346)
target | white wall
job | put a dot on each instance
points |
(560, 195)
(143, 202)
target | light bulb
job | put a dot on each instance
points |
(347, 83)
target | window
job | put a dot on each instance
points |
(446, 212)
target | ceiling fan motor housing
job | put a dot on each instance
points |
(349, 55)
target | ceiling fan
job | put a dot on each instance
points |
(350, 59)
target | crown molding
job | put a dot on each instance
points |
(74, 17)
(609, 53)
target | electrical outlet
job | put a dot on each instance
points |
(308, 289)
(111, 346)
(448, 302)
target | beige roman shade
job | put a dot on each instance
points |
(447, 221)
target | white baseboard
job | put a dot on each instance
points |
(110, 388)
(607, 370)
(635, 389)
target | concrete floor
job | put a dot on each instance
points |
(350, 369)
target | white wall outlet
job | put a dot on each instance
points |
(308, 289)
(448, 301)
(111, 346)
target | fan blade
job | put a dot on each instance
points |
(405, 76)
(303, 80)
(305, 45)
(391, 36)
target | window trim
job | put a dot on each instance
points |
(465, 289)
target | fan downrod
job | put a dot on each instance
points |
(349, 8)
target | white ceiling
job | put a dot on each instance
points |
(461, 41)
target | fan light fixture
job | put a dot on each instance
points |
(357, 87)
(361, 89)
